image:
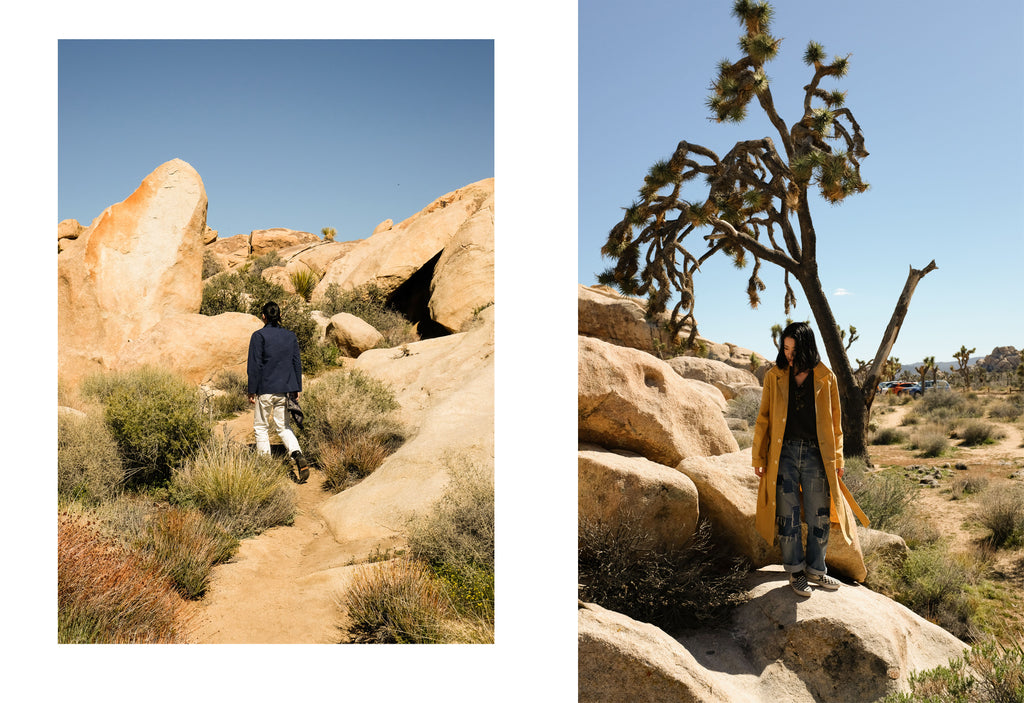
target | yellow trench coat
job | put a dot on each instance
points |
(768, 434)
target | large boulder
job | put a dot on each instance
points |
(315, 257)
(266, 241)
(616, 319)
(351, 334)
(463, 280)
(230, 252)
(848, 645)
(193, 345)
(140, 261)
(632, 400)
(727, 487)
(390, 257)
(68, 229)
(445, 387)
(619, 319)
(728, 379)
(617, 486)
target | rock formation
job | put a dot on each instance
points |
(351, 334)
(139, 262)
(1001, 359)
(446, 390)
(657, 453)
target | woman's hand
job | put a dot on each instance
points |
(759, 470)
(840, 471)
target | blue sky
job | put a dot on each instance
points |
(937, 90)
(284, 133)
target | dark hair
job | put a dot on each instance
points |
(272, 312)
(806, 356)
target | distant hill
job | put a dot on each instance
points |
(946, 366)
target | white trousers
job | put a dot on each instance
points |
(270, 410)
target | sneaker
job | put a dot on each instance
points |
(823, 581)
(798, 582)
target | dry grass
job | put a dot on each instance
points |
(108, 595)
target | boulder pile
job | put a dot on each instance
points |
(655, 448)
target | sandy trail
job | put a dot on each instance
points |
(281, 586)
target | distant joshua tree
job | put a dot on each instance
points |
(757, 205)
(927, 365)
(328, 233)
(962, 358)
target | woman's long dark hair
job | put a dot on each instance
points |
(272, 312)
(806, 357)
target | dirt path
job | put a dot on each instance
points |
(281, 586)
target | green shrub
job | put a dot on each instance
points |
(369, 303)
(888, 435)
(106, 594)
(456, 537)
(968, 485)
(987, 673)
(297, 316)
(156, 417)
(1002, 511)
(243, 491)
(88, 466)
(351, 425)
(239, 292)
(687, 587)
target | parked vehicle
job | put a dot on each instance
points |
(937, 386)
(907, 388)
(885, 386)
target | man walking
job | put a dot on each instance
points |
(275, 371)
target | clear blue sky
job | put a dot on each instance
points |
(284, 133)
(936, 88)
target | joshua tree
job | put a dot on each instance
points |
(927, 365)
(328, 233)
(962, 358)
(757, 205)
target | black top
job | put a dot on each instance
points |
(800, 420)
(275, 364)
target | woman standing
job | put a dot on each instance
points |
(798, 454)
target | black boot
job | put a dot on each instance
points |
(301, 466)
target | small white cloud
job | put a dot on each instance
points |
(841, 291)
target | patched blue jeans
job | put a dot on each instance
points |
(801, 471)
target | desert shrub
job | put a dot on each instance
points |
(106, 594)
(396, 602)
(888, 435)
(156, 417)
(304, 281)
(745, 407)
(456, 538)
(351, 425)
(934, 584)
(977, 432)
(239, 292)
(1007, 410)
(235, 398)
(243, 491)
(744, 438)
(88, 465)
(187, 545)
(1002, 511)
(257, 265)
(929, 441)
(211, 266)
(369, 303)
(297, 316)
(987, 673)
(686, 587)
(967, 485)
(884, 497)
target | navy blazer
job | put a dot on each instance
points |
(275, 365)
